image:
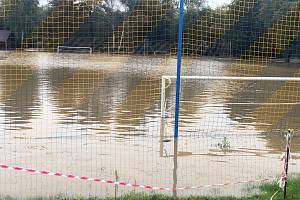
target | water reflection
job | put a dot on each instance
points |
(108, 110)
(76, 90)
(90, 93)
(270, 106)
(19, 95)
(104, 96)
(140, 99)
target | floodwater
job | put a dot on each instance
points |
(100, 116)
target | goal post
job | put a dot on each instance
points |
(217, 78)
(166, 81)
(70, 49)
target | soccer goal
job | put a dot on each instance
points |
(69, 49)
(220, 105)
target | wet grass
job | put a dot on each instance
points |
(266, 192)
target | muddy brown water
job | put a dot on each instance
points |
(98, 115)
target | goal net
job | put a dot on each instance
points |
(224, 110)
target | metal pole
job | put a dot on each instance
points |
(286, 173)
(237, 78)
(177, 106)
(288, 139)
(162, 98)
(162, 113)
(179, 55)
(175, 162)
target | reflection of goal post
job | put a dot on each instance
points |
(167, 80)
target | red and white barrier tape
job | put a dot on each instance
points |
(98, 180)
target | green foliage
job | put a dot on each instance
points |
(129, 4)
(266, 191)
(272, 10)
(26, 16)
(23, 19)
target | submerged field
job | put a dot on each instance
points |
(100, 116)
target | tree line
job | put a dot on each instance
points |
(24, 17)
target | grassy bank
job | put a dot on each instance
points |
(267, 191)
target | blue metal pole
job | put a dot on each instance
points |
(179, 55)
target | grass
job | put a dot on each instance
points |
(267, 190)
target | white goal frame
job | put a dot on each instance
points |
(230, 78)
(216, 78)
(90, 50)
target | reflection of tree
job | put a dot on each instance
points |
(140, 99)
(58, 75)
(192, 93)
(275, 112)
(288, 94)
(19, 95)
(78, 88)
(287, 120)
(92, 94)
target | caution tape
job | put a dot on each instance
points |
(110, 182)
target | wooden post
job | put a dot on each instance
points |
(116, 186)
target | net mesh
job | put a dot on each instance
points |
(110, 114)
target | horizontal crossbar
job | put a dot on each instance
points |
(69, 47)
(241, 78)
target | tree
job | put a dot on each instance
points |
(194, 5)
(22, 19)
(54, 3)
(129, 4)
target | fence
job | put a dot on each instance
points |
(89, 91)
